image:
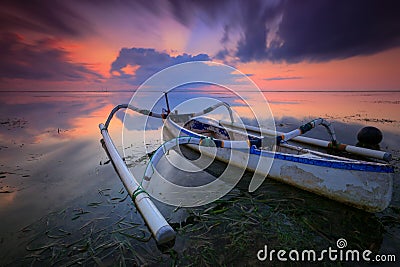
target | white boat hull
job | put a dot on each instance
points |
(365, 188)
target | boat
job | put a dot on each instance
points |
(363, 184)
(364, 181)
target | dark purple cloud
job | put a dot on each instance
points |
(149, 62)
(326, 30)
(38, 61)
(321, 31)
(38, 57)
(210, 11)
(255, 25)
(222, 54)
(43, 16)
(297, 31)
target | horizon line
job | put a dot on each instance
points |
(264, 91)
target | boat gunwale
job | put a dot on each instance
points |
(329, 163)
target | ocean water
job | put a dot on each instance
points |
(57, 184)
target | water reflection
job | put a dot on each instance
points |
(49, 152)
(51, 159)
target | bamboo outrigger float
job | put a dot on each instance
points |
(159, 227)
(362, 183)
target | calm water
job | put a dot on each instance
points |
(57, 186)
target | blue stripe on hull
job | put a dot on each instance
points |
(326, 163)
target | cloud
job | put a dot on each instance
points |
(146, 61)
(43, 16)
(41, 60)
(186, 11)
(222, 54)
(256, 24)
(257, 30)
(326, 30)
(295, 31)
(321, 31)
(279, 78)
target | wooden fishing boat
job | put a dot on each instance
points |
(360, 183)
(363, 183)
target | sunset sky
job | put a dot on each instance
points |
(281, 45)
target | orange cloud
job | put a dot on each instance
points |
(129, 69)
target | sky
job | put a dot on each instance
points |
(281, 45)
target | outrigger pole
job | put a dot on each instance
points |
(333, 144)
(159, 227)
